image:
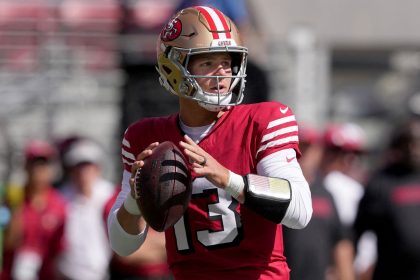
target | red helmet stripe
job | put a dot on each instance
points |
(210, 21)
(216, 21)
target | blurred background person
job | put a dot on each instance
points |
(34, 238)
(87, 251)
(344, 172)
(62, 145)
(314, 253)
(311, 145)
(390, 206)
(343, 143)
(147, 263)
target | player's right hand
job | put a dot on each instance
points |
(138, 164)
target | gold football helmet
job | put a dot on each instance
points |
(197, 30)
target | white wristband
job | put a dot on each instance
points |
(130, 204)
(236, 185)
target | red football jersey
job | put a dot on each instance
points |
(218, 238)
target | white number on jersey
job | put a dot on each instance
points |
(223, 210)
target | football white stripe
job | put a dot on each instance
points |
(128, 155)
(217, 21)
(281, 121)
(126, 143)
(281, 131)
(278, 142)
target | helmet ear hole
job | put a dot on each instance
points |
(167, 70)
(236, 62)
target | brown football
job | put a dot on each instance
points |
(164, 186)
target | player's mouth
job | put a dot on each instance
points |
(218, 89)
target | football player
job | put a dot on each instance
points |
(247, 182)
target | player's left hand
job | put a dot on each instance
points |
(204, 164)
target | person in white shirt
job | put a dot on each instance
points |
(344, 145)
(87, 253)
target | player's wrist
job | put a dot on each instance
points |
(236, 185)
(130, 205)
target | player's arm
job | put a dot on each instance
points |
(279, 191)
(279, 165)
(277, 151)
(126, 227)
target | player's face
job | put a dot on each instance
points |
(212, 64)
(84, 175)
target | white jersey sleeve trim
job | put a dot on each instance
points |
(122, 242)
(299, 212)
(281, 121)
(128, 154)
(126, 143)
(281, 131)
(277, 142)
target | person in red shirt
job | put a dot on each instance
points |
(247, 182)
(34, 236)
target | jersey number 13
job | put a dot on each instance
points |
(221, 210)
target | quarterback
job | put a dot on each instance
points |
(247, 182)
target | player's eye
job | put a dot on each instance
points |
(206, 63)
(226, 63)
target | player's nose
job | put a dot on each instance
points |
(221, 70)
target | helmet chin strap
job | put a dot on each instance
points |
(211, 107)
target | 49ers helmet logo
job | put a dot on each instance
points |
(172, 30)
